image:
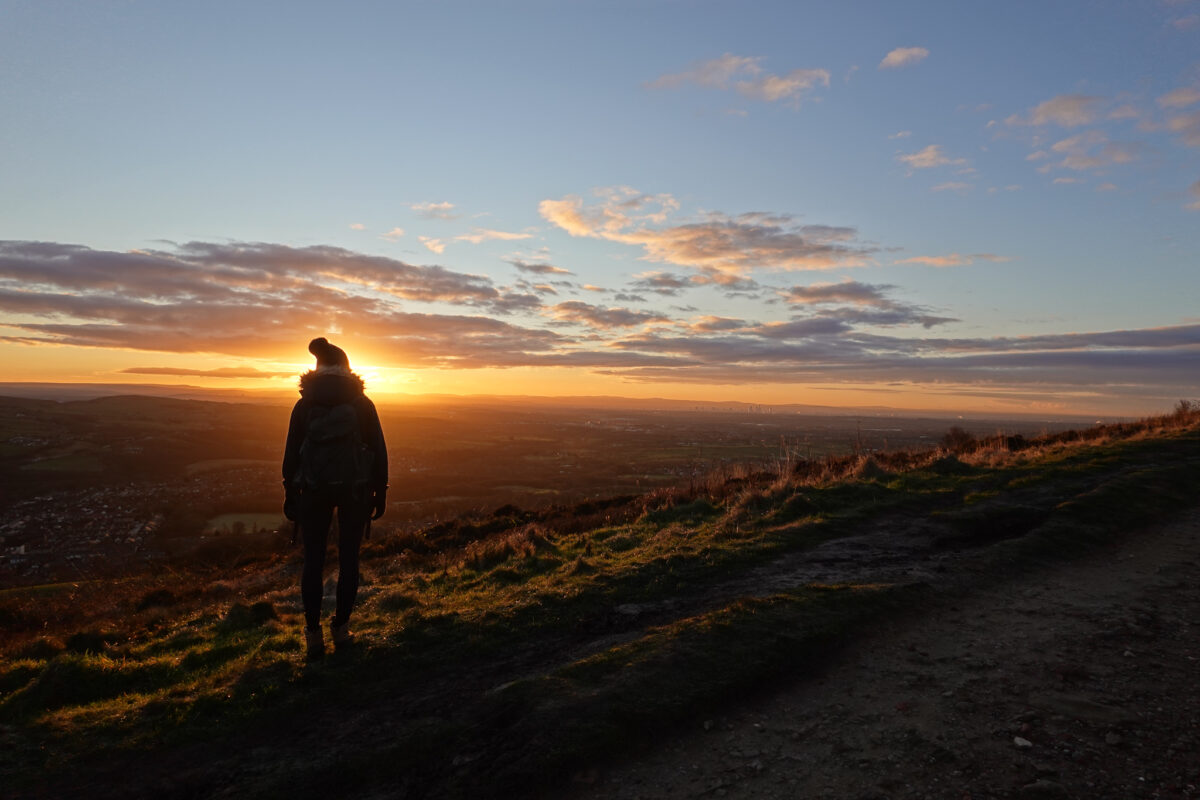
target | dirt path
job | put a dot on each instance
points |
(1081, 680)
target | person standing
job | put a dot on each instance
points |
(335, 460)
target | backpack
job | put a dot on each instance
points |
(333, 453)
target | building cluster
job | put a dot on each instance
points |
(72, 533)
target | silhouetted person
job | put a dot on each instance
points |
(335, 458)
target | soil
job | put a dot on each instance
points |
(1080, 680)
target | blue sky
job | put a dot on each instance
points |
(976, 178)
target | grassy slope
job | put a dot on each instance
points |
(502, 653)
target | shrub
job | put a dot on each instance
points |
(958, 440)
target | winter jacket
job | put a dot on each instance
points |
(333, 386)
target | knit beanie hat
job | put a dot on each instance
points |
(328, 355)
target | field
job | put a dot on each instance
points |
(115, 484)
(501, 652)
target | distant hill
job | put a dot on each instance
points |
(85, 391)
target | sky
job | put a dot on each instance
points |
(959, 206)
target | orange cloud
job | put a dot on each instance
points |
(479, 235)
(430, 210)
(903, 57)
(722, 248)
(746, 75)
(434, 245)
(221, 372)
(952, 260)
(929, 157)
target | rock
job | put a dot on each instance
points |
(1043, 788)
(1021, 742)
(1083, 708)
(1112, 738)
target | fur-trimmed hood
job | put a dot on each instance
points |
(330, 386)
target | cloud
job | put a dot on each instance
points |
(900, 135)
(898, 315)
(714, 324)
(539, 268)
(582, 313)
(951, 186)
(264, 300)
(953, 259)
(1188, 128)
(715, 73)
(1106, 187)
(479, 235)
(431, 210)
(863, 304)
(1186, 23)
(847, 291)
(664, 283)
(237, 298)
(1194, 190)
(434, 245)
(1092, 150)
(903, 57)
(357, 226)
(1065, 110)
(1180, 98)
(791, 87)
(1126, 111)
(222, 372)
(746, 75)
(721, 248)
(829, 351)
(394, 234)
(1068, 180)
(928, 158)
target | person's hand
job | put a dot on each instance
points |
(378, 502)
(291, 504)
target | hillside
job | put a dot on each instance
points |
(506, 655)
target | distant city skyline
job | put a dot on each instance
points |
(933, 205)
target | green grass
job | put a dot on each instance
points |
(523, 645)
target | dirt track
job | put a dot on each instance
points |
(1081, 680)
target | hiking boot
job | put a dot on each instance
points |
(314, 643)
(342, 636)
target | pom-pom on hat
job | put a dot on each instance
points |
(328, 355)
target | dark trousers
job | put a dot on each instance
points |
(316, 514)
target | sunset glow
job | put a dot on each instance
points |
(495, 199)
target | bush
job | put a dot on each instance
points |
(958, 440)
